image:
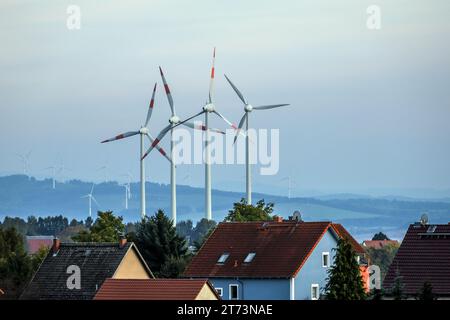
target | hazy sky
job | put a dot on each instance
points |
(370, 109)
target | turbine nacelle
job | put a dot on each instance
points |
(143, 130)
(174, 120)
(209, 107)
(248, 108)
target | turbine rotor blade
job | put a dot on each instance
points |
(150, 107)
(201, 126)
(157, 140)
(188, 119)
(167, 89)
(211, 81)
(98, 205)
(240, 95)
(271, 106)
(225, 119)
(241, 123)
(121, 136)
(161, 150)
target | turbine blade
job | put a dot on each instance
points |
(167, 89)
(188, 119)
(121, 136)
(92, 197)
(161, 150)
(240, 95)
(241, 123)
(211, 81)
(271, 106)
(157, 140)
(92, 189)
(225, 119)
(150, 107)
(201, 126)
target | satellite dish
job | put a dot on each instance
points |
(424, 219)
(297, 215)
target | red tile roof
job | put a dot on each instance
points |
(281, 249)
(422, 256)
(34, 243)
(151, 289)
(378, 244)
(342, 232)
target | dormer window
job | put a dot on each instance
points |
(223, 258)
(249, 257)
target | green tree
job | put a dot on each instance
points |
(383, 257)
(426, 292)
(162, 248)
(380, 236)
(246, 212)
(397, 287)
(106, 228)
(344, 280)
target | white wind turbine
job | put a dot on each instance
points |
(127, 193)
(247, 109)
(208, 108)
(143, 131)
(91, 198)
(291, 183)
(174, 120)
(25, 163)
(53, 168)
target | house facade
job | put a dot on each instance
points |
(279, 260)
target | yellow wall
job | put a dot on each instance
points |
(131, 267)
(206, 293)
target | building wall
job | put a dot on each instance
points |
(254, 289)
(131, 267)
(206, 293)
(312, 271)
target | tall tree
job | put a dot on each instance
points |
(106, 228)
(397, 287)
(162, 248)
(380, 236)
(344, 278)
(426, 292)
(246, 212)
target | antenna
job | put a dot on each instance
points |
(424, 219)
(297, 216)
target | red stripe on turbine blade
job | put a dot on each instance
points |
(120, 136)
(152, 102)
(212, 73)
(155, 142)
(162, 151)
(166, 87)
(234, 126)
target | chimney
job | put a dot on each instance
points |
(235, 263)
(277, 219)
(122, 241)
(56, 245)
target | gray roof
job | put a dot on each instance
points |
(97, 262)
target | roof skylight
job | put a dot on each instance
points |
(249, 257)
(223, 257)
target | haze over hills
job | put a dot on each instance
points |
(363, 215)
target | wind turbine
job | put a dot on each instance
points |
(130, 178)
(90, 196)
(247, 109)
(208, 108)
(25, 163)
(174, 120)
(53, 168)
(291, 182)
(127, 192)
(143, 131)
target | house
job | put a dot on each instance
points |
(379, 244)
(423, 256)
(269, 260)
(77, 270)
(34, 243)
(156, 289)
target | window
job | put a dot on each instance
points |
(314, 292)
(249, 257)
(219, 291)
(223, 257)
(234, 292)
(325, 259)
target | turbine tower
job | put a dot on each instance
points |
(143, 131)
(91, 198)
(174, 120)
(53, 168)
(247, 109)
(25, 163)
(208, 108)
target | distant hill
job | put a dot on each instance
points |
(22, 196)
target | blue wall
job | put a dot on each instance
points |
(313, 271)
(279, 289)
(255, 289)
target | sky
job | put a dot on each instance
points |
(369, 109)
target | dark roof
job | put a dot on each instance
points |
(97, 262)
(422, 256)
(152, 289)
(281, 249)
(346, 235)
(34, 243)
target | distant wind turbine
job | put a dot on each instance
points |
(91, 198)
(247, 109)
(25, 158)
(143, 131)
(127, 192)
(53, 168)
(291, 182)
